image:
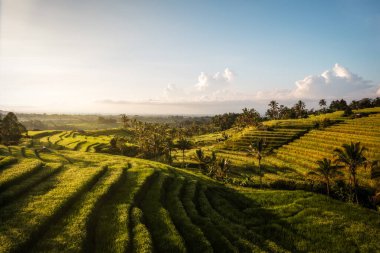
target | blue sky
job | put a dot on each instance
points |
(184, 56)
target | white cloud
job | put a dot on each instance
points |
(216, 94)
(216, 82)
(338, 82)
(215, 87)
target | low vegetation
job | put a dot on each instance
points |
(249, 184)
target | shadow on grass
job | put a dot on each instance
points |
(248, 219)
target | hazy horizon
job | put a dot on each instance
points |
(185, 58)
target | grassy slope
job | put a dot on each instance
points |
(168, 210)
(292, 159)
(73, 201)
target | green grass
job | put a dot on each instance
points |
(193, 236)
(17, 172)
(142, 241)
(112, 231)
(70, 233)
(7, 160)
(152, 207)
(16, 190)
(164, 233)
(24, 220)
(66, 200)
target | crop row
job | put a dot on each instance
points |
(25, 219)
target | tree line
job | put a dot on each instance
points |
(250, 117)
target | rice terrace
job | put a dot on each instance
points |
(109, 143)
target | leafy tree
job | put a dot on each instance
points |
(326, 170)
(257, 149)
(286, 112)
(347, 111)
(338, 105)
(365, 103)
(376, 102)
(183, 144)
(355, 105)
(352, 156)
(273, 111)
(322, 104)
(11, 129)
(299, 109)
(249, 117)
(224, 121)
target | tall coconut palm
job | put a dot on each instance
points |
(273, 110)
(125, 120)
(223, 167)
(183, 144)
(322, 104)
(168, 147)
(203, 160)
(257, 149)
(352, 156)
(326, 171)
(299, 108)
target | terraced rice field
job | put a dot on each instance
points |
(273, 139)
(105, 203)
(76, 141)
(302, 153)
(293, 148)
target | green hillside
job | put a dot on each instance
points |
(294, 146)
(71, 201)
(63, 191)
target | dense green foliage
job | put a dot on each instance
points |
(11, 129)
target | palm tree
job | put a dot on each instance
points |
(183, 144)
(203, 160)
(326, 170)
(224, 167)
(299, 108)
(125, 120)
(257, 149)
(168, 147)
(322, 104)
(351, 155)
(249, 117)
(273, 110)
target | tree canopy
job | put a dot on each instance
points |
(11, 129)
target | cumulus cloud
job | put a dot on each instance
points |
(210, 87)
(216, 82)
(218, 93)
(335, 83)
